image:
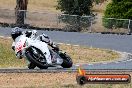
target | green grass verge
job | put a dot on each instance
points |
(77, 53)
(7, 55)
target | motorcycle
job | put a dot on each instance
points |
(37, 52)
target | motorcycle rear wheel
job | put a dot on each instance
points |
(67, 61)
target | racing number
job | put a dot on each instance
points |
(19, 46)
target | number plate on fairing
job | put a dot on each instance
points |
(20, 45)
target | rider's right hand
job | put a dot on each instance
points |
(13, 47)
(55, 46)
(19, 55)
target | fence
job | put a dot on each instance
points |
(69, 22)
(117, 24)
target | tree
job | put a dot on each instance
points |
(20, 11)
(120, 9)
(74, 7)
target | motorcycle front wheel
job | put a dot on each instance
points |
(35, 56)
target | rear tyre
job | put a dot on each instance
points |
(67, 61)
(36, 58)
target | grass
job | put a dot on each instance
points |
(77, 53)
(81, 54)
(7, 56)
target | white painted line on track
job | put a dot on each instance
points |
(104, 63)
(117, 62)
(90, 64)
(124, 61)
(76, 45)
(129, 60)
(77, 65)
(60, 43)
(68, 44)
(5, 37)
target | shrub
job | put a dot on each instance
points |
(74, 9)
(119, 9)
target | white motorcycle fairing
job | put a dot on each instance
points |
(23, 43)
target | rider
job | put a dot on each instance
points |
(16, 32)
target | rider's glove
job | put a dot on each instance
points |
(28, 33)
(19, 55)
(13, 47)
(55, 46)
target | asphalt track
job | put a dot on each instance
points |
(121, 43)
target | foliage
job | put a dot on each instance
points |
(78, 8)
(120, 9)
(115, 23)
(75, 7)
(108, 23)
(75, 23)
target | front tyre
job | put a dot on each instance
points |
(36, 57)
(42, 67)
(67, 61)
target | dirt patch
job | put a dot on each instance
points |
(36, 79)
(51, 80)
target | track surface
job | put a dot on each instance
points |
(121, 43)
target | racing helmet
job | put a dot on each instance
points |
(16, 32)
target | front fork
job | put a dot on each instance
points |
(56, 55)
